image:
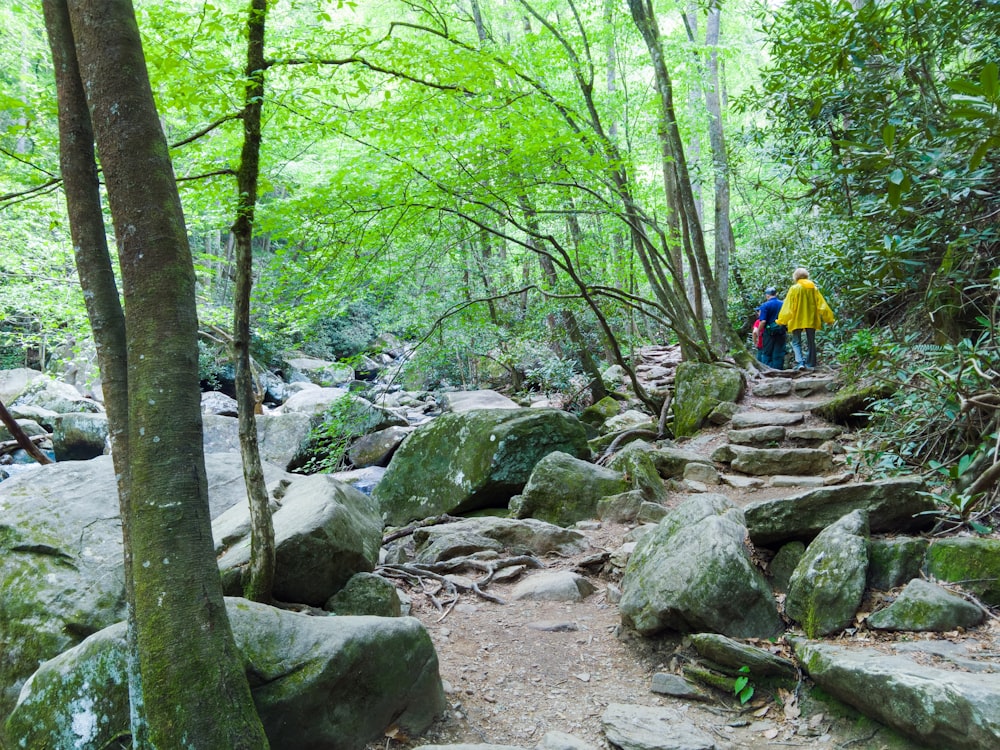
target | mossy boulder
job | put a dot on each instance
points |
(332, 682)
(850, 406)
(893, 561)
(693, 573)
(826, 587)
(637, 464)
(971, 561)
(366, 594)
(563, 490)
(597, 414)
(699, 389)
(925, 606)
(478, 459)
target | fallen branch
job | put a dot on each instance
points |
(20, 438)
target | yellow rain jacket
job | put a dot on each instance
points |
(804, 307)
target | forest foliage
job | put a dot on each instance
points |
(464, 174)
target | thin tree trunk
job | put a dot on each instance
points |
(259, 583)
(193, 684)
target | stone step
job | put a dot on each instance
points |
(748, 419)
(772, 461)
(762, 436)
(793, 387)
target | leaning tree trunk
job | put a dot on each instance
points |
(260, 581)
(193, 683)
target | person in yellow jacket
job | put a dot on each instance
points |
(804, 309)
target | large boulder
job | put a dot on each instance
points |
(61, 556)
(827, 585)
(325, 531)
(320, 371)
(937, 707)
(693, 573)
(463, 401)
(563, 490)
(13, 383)
(79, 436)
(330, 682)
(699, 388)
(56, 396)
(283, 439)
(891, 505)
(479, 459)
(377, 448)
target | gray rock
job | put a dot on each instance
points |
(724, 454)
(29, 427)
(324, 532)
(674, 685)
(469, 746)
(332, 682)
(651, 513)
(892, 505)
(597, 414)
(365, 594)
(62, 398)
(652, 728)
(478, 459)
(826, 587)
(701, 473)
(13, 383)
(562, 741)
(670, 462)
(814, 434)
(44, 417)
(563, 490)
(937, 707)
(553, 586)
(621, 508)
(518, 537)
(783, 564)
(895, 560)
(693, 573)
(767, 461)
(924, 606)
(722, 413)
(733, 654)
(61, 559)
(320, 371)
(80, 436)
(460, 402)
(213, 402)
(313, 400)
(637, 461)
(772, 387)
(809, 386)
(699, 389)
(376, 448)
(282, 439)
(741, 482)
(749, 419)
(800, 481)
(756, 436)
(629, 419)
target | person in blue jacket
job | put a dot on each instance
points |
(773, 354)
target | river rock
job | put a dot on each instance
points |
(80, 436)
(13, 383)
(282, 439)
(563, 490)
(320, 371)
(460, 402)
(56, 396)
(376, 448)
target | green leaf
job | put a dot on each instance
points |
(889, 135)
(897, 176)
(988, 77)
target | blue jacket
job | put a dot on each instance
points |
(770, 309)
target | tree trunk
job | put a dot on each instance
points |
(724, 242)
(81, 186)
(645, 21)
(260, 581)
(193, 684)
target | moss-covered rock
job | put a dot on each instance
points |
(637, 463)
(597, 414)
(563, 490)
(849, 407)
(826, 588)
(970, 561)
(925, 606)
(333, 682)
(895, 560)
(366, 594)
(783, 564)
(693, 573)
(479, 459)
(699, 389)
